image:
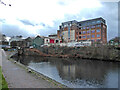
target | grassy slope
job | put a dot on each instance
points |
(3, 83)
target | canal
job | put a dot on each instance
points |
(75, 73)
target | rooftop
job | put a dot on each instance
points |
(100, 18)
(80, 22)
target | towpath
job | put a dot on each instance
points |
(17, 77)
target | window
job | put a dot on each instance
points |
(88, 31)
(79, 32)
(93, 40)
(98, 40)
(83, 27)
(92, 26)
(84, 32)
(98, 35)
(98, 21)
(98, 30)
(80, 37)
(83, 36)
(93, 31)
(98, 25)
(56, 41)
(60, 27)
(87, 27)
(88, 36)
(65, 25)
(93, 36)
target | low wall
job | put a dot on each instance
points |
(71, 44)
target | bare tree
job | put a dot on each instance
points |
(4, 3)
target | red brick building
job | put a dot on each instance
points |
(93, 29)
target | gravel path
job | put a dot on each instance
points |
(17, 77)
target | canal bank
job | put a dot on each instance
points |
(102, 53)
(19, 76)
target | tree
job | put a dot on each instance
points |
(3, 37)
(19, 36)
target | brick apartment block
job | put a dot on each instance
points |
(93, 29)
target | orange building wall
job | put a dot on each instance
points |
(102, 33)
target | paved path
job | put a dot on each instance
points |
(17, 77)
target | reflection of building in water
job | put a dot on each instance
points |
(72, 70)
(85, 70)
(27, 59)
(69, 71)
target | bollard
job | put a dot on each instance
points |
(29, 70)
(14, 61)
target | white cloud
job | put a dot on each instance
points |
(42, 11)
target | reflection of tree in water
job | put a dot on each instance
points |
(92, 71)
(27, 59)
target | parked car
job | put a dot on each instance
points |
(31, 47)
(78, 45)
(5, 47)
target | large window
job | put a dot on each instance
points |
(84, 32)
(79, 32)
(83, 27)
(87, 27)
(88, 31)
(47, 40)
(98, 35)
(98, 40)
(98, 30)
(88, 36)
(83, 36)
(93, 31)
(79, 37)
(98, 25)
(92, 26)
(93, 40)
(93, 36)
(98, 21)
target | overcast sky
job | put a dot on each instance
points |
(43, 17)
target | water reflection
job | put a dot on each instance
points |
(75, 73)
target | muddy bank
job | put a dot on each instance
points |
(107, 53)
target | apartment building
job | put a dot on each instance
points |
(67, 31)
(94, 30)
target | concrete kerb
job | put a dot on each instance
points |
(39, 75)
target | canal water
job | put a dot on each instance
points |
(75, 73)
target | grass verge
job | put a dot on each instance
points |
(3, 83)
